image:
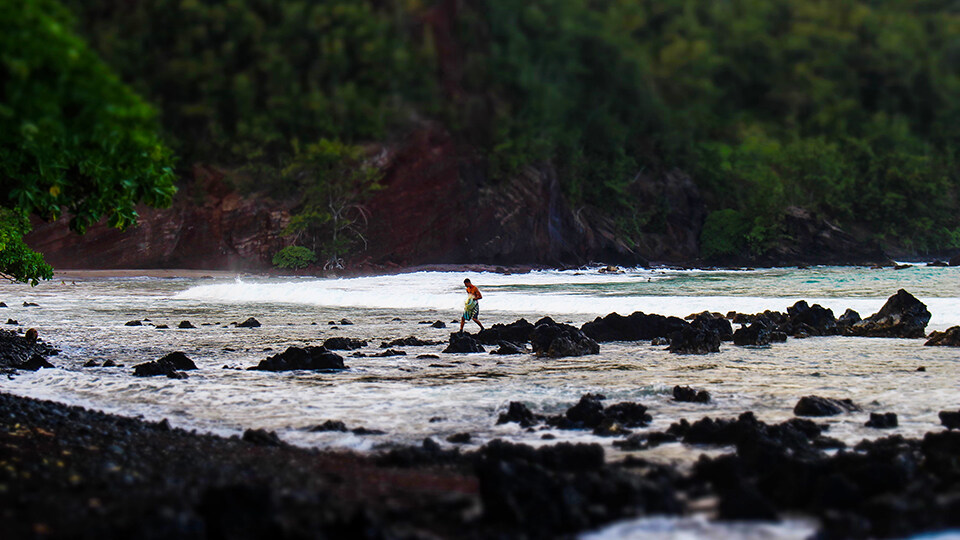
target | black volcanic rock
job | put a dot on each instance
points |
(950, 419)
(882, 420)
(515, 332)
(638, 326)
(507, 348)
(156, 368)
(815, 317)
(557, 340)
(133, 323)
(180, 361)
(186, 325)
(687, 394)
(949, 338)
(410, 341)
(18, 352)
(693, 340)
(249, 323)
(297, 358)
(903, 316)
(463, 343)
(343, 344)
(519, 413)
(820, 406)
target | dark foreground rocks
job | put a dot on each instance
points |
(556, 340)
(306, 358)
(72, 473)
(26, 352)
(821, 406)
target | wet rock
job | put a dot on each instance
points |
(755, 335)
(439, 324)
(91, 363)
(111, 363)
(849, 318)
(185, 324)
(161, 327)
(820, 406)
(12, 321)
(882, 420)
(659, 341)
(950, 419)
(30, 304)
(506, 348)
(249, 323)
(329, 425)
(715, 323)
(428, 356)
(515, 332)
(938, 263)
(687, 394)
(343, 344)
(463, 343)
(608, 427)
(3, 305)
(168, 366)
(180, 361)
(955, 260)
(306, 358)
(34, 363)
(590, 413)
(694, 340)
(637, 326)
(388, 352)
(815, 319)
(949, 338)
(556, 340)
(519, 413)
(902, 316)
(17, 351)
(133, 323)
(345, 322)
(262, 437)
(411, 341)
(459, 438)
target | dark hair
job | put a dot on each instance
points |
(466, 280)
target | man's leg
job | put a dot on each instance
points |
(476, 320)
(462, 321)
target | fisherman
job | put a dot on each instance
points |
(471, 309)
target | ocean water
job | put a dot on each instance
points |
(411, 398)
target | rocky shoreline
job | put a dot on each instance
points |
(68, 472)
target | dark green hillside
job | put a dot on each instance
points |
(848, 108)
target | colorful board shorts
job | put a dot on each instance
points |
(471, 309)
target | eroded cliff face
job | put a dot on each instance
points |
(436, 207)
(209, 226)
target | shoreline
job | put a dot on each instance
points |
(111, 476)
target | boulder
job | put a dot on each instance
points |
(515, 332)
(343, 344)
(519, 413)
(694, 340)
(757, 335)
(185, 324)
(180, 361)
(820, 406)
(949, 338)
(882, 420)
(687, 394)
(411, 341)
(463, 343)
(819, 320)
(950, 419)
(133, 323)
(506, 347)
(714, 323)
(849, 318)
(938, 263)
(388, 352)
(157, 368)
(557, 340)
(638, 326)
(34, 363)
(440, 324)
(306, 358)
(249, 323)
(903, 316)
(18, 351)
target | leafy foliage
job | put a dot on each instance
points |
(334, 180)
(294, 257)
(73, 138)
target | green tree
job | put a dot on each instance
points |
(73, 138)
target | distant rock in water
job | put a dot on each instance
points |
(133, 323)
(306, 358)
(34, 363)
(3, 304)
(410, 341)
(949, 338)
(461, 342)
(170, 365)
(30, 304)
(938, 263)
(882, 420)
(439, 324)
(820, 406)
(687, 394)
(249, 323)
(508, 348)
(344, 344)
(180, 361)
(903, 316)
(185, 324)
(557, 340)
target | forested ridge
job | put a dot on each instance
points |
(847, 108)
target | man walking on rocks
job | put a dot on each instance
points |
(471, 309)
